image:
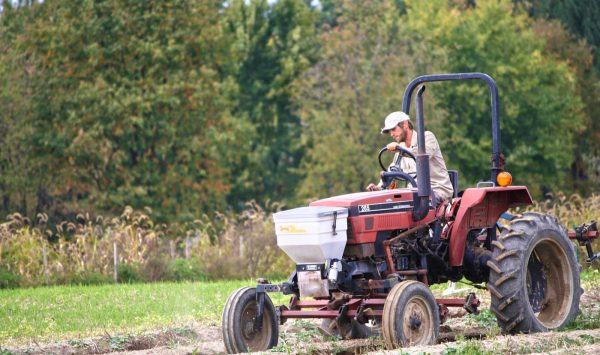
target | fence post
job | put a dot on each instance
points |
(116, 262)
(188, 243)
(172, 245)
(45, 258)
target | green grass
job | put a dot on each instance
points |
(50, 313)
(74, 312)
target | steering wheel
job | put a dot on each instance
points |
(388, 177)
(403, 151)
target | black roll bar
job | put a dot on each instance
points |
(497, 159)
(421, 201)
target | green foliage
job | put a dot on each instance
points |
(571, 211)
(8, 279)
(586, 320)
(19, 175)
(185, 270)
(581, 17)
(83, 252)
(97, 278)
(128, 273)
(273, 46)
(485, 319)
(195, 107)
(540, 108)
(345, 96)
(559, 42)
(128, 107)
(468, 348)
(82, 311)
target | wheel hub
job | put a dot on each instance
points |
(248, 329)
(536, 283)
(415, 322)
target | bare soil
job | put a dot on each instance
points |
(457, 333)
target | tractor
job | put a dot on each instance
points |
(366, 259)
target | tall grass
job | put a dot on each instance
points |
(81, 251)
(223, 247)
(572, 211)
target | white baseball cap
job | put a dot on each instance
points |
(393, 119)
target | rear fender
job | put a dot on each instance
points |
(480, 208)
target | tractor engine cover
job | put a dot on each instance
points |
(375, 211)
(312, 235)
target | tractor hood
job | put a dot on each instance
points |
(371, 202)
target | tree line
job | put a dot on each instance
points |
(194, 107)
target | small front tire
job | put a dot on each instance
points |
(410, 316)
(238, 319)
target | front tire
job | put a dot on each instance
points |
(410, 316)
(239, 314)
(534, 276)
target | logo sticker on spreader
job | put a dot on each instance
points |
(291, 228)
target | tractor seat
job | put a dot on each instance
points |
(453, 174)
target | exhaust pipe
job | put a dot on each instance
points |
(421, 200)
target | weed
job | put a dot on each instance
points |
(128, 273)
(185, 270)
(485, 319)
(117, 343)
(589, 339)
(586, 320)
(8, 279)
(284, 345)
(172, 344)
(184, 331)
(467, 348)
(78, 344)
(336, 349)
(308, 331)
(91, 278)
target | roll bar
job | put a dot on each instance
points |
(497, 157)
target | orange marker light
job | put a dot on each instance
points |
(504, 178)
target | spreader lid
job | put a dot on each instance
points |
(311, 212)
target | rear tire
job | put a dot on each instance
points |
(239, 314)
(410, 316)
(534, 276)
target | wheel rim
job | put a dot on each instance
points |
(549, 283)
(255, 340)
(417, 322)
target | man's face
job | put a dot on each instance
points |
(398, 132)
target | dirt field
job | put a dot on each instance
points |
(459, 335)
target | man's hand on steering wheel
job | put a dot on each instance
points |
(394, 172)
(392, 146)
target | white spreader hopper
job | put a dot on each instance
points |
(311, 235)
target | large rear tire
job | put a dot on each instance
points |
(534, 276)
(239, 314)
(410, 316)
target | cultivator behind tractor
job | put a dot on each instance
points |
(364, 260)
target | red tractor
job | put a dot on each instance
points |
(370, 256)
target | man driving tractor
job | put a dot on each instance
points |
(399, 126)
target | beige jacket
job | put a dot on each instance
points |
(440, 181)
